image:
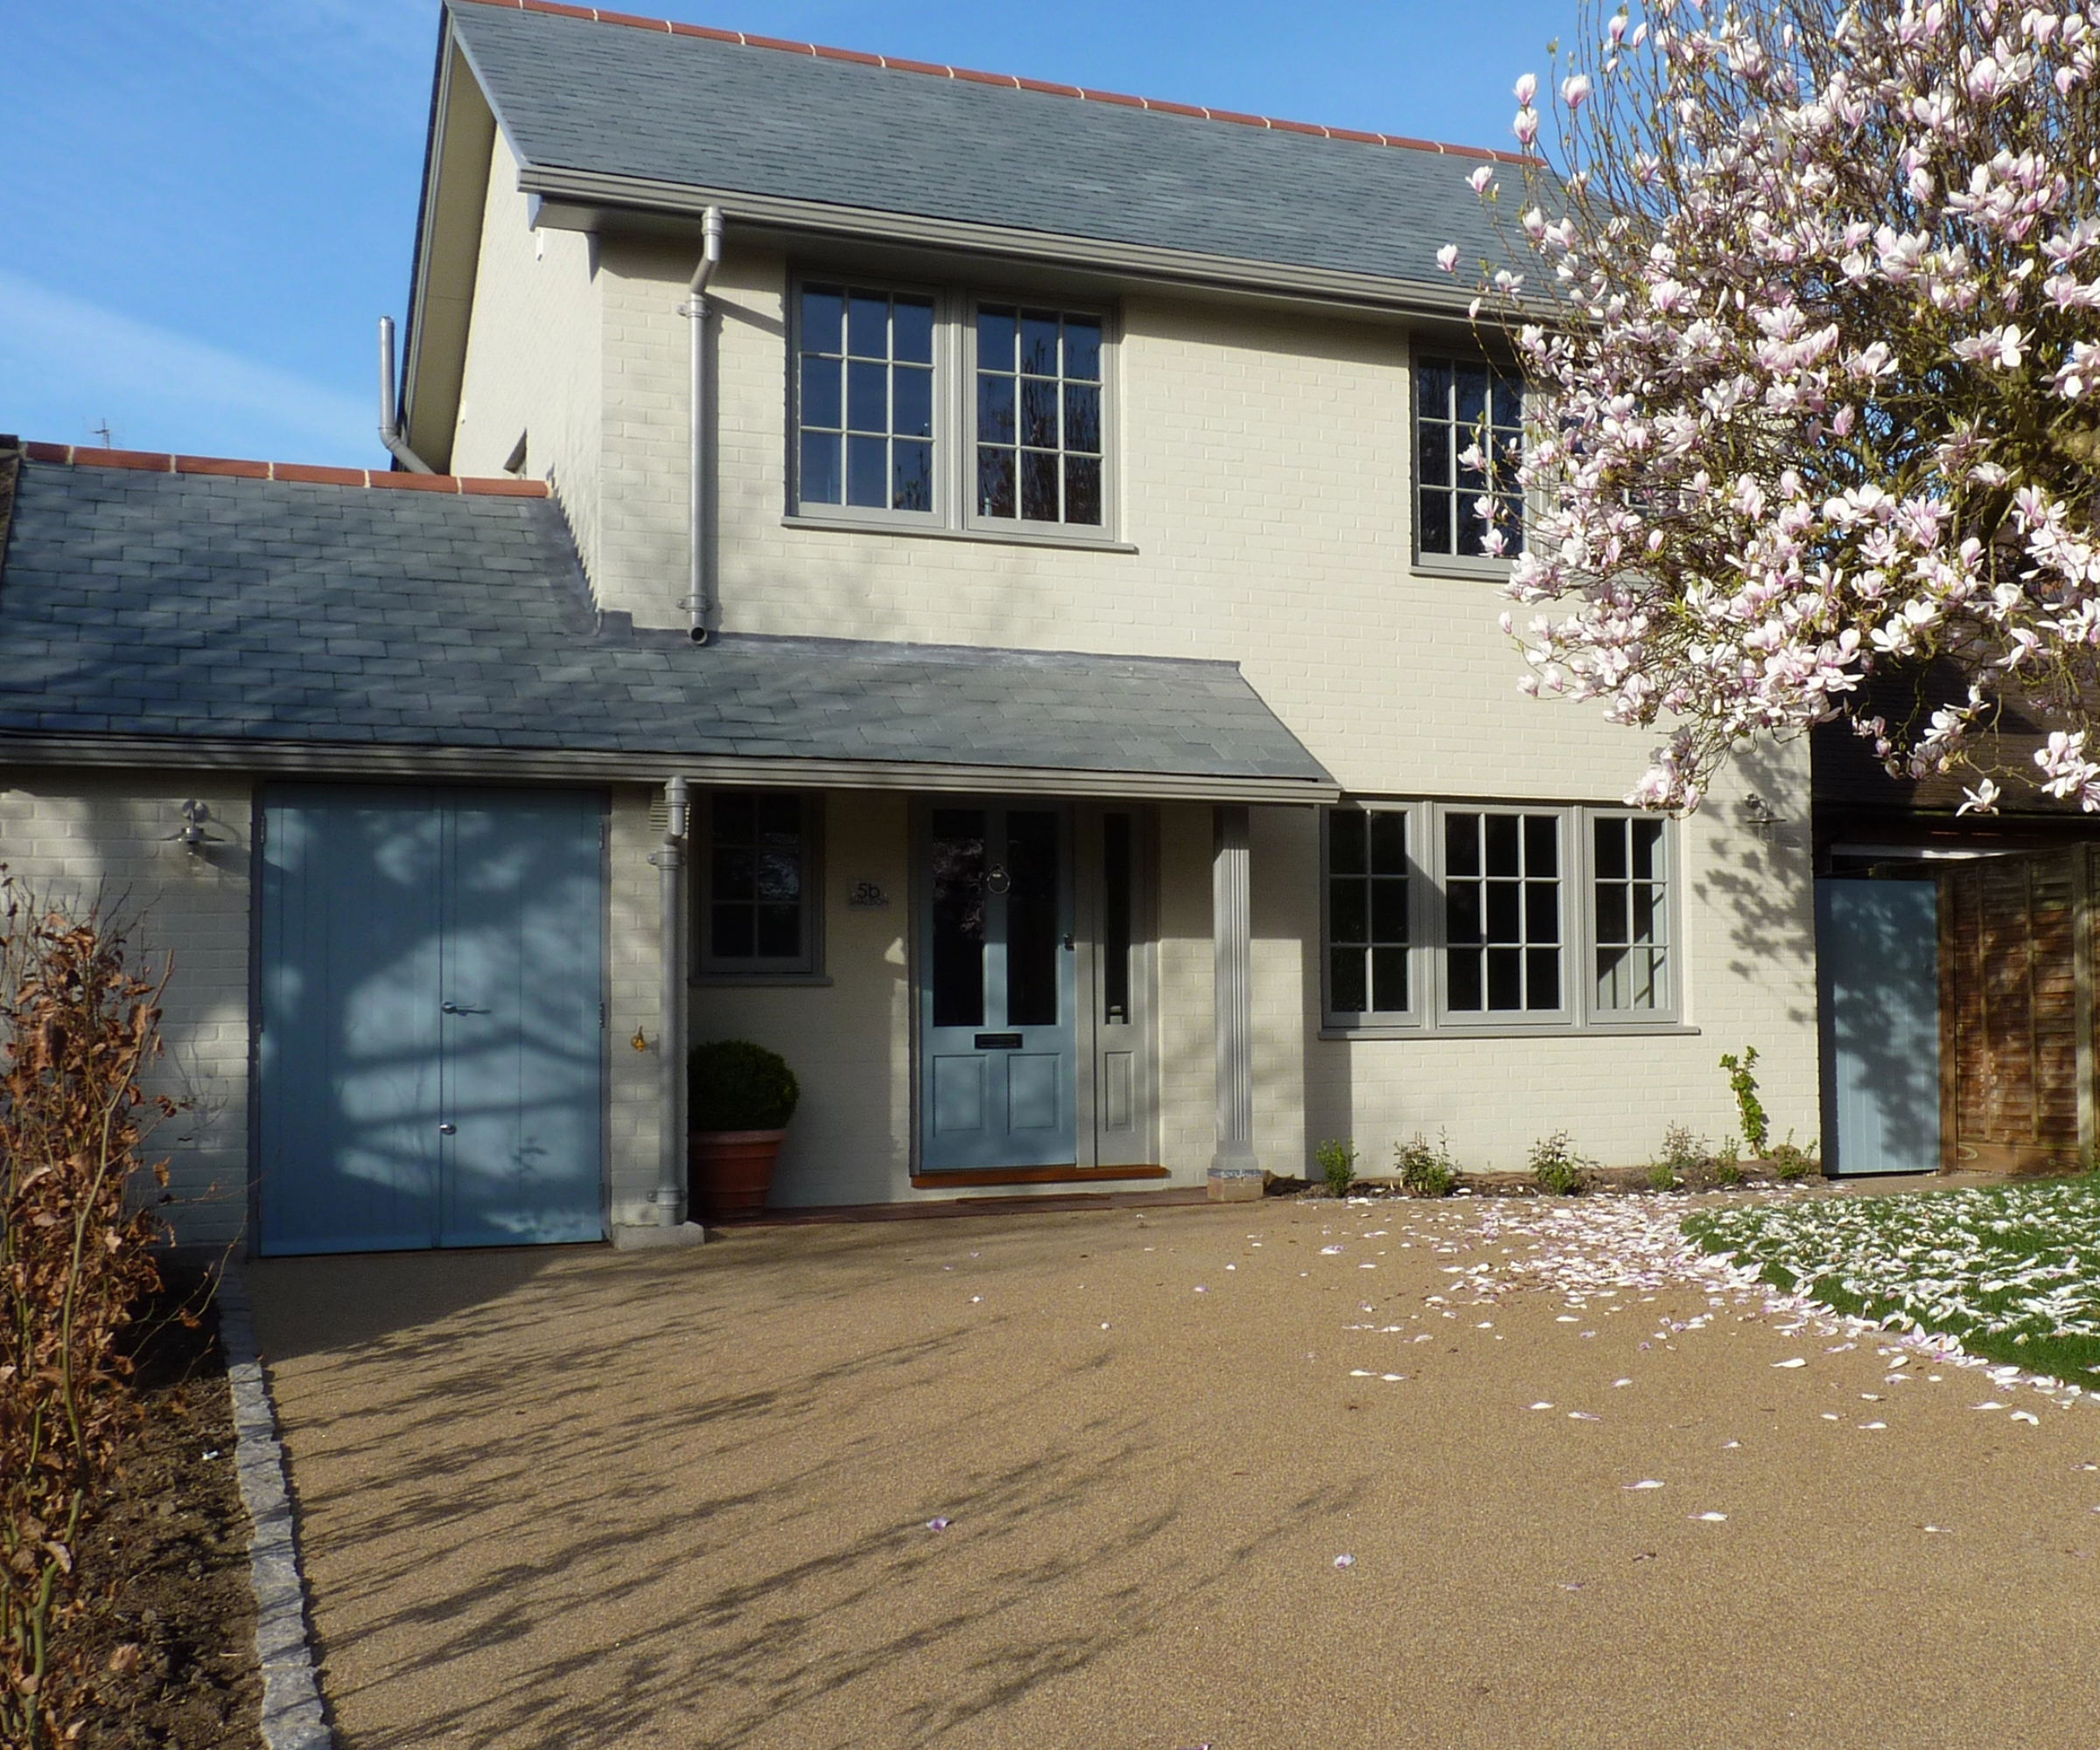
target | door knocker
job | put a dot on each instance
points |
(997, 880)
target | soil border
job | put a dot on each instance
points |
(294, 1717)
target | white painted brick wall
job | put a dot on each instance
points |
(534, 357)
(849, 1041)
(78, 839)
(1263, 468)
(635, 978)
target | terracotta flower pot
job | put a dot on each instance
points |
(732, 1171)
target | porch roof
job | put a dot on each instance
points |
(182, 618)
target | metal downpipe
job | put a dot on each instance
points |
(389, 423)
(697, 600)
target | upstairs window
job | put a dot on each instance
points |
(1039, 415)
(864, 379)
(932, 410)
(1461, 405)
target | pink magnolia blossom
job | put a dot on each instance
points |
(1756, 485)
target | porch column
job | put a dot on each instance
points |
(1235, 1173)
(670, 864)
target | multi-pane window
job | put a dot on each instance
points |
(864, 385)
(1629, 906)
(1468, 421)
(1502, 912)
(1368, 906)
(1456, 917)
(1039, 427)
(756, 883)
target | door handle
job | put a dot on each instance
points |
(461, 1009)
(448, 1130)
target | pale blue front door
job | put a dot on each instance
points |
(1878, 979)
(997, 1065)
(431, 1046)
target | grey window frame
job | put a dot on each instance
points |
(941, 515)
(966, 473)
(807, 967)
(952, 515)
(1670, 1011)
(1419, 921)
(1567, 1012)
(1446, 565)
(1430, 1014)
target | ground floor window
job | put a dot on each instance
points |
(759, 883)
(1446, 916)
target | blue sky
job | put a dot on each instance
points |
(210, 203)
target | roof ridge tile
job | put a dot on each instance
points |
(1082, 94)
(228, 467)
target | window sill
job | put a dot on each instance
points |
(1462, 570)
(746, 980)
(1544, 1030)
(998, 537)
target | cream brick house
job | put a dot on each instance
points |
(1036, 556)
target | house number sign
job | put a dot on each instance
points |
(867, 896)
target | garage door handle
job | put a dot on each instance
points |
(448, 1130)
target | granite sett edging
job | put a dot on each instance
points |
(293, 1717)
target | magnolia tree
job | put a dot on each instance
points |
(1811, 319)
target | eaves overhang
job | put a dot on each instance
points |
(368, 761)
(588, 200)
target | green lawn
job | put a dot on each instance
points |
(2012, 1271)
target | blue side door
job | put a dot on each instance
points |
(1878, 991)
(998, 1064)
(430, 1044)
(518, 1019)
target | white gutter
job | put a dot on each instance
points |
(696, 599)
(389, 423)
(356, 759)
(584, 200)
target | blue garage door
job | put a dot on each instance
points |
(431, 1049)
(1878, 973)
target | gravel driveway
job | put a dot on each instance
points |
(1271, 1476)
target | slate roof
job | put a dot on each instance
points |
(706, 111)
(259, 612)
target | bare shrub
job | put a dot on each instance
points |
(78, 1029)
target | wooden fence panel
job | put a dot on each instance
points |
(2017, 1024)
